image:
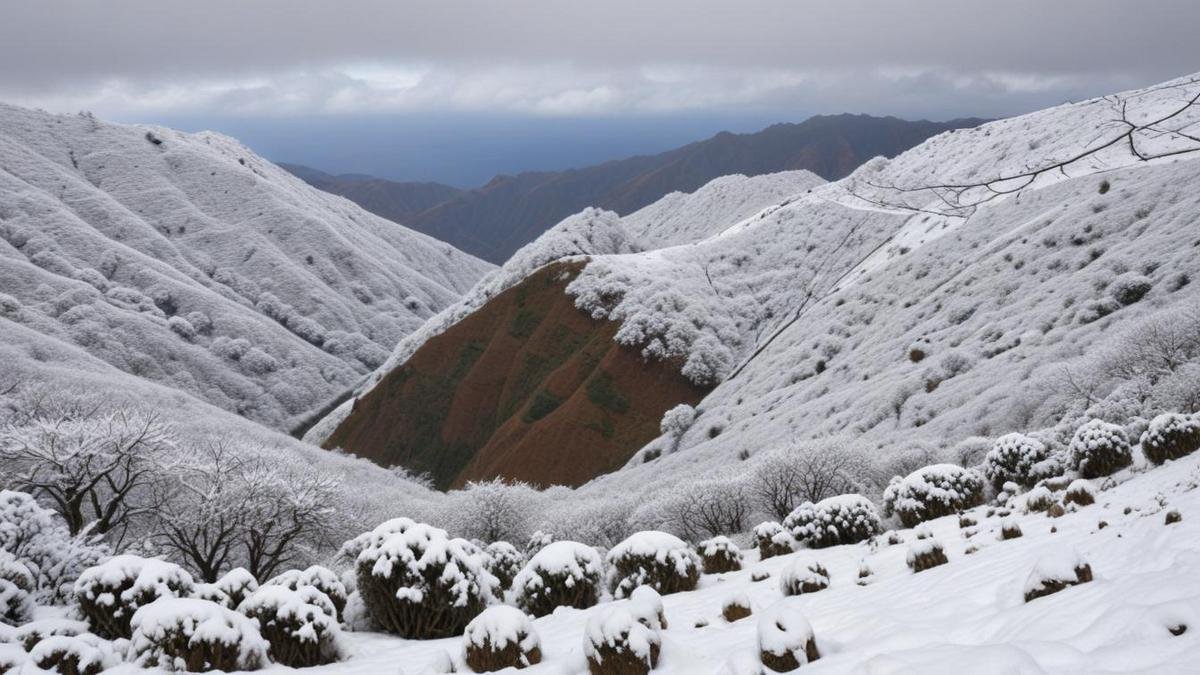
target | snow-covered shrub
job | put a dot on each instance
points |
(301, 634)
(110, 593)
(501, 637)
(1129, 287)
(1173, 516)
(258, 362)
(1010, 529)
(39, 540)
(844, 519)
(537, 541)
(933, 492)
(656, 559)
(720, 554)
(676, 422)
(785, 638)
(494, 510)
(195, 636)
(16, 572)
(1099, 449)
(12, 658)
(925, 554)
(1015, 457)
(323, 579)
(646, 606)
(67, 655)
(1081, 492)
(35, 631)
(772, 539)
(1038, 499)
(1056, 571)
(736, 607)
(1171, 436)
(211, 593)
(801, 577)
(563, 574)
(237, 584)
(420, 584)
(617, 644)
(16, 605)
(504, 561)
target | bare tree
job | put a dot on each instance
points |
(807, 472)
(287, 512)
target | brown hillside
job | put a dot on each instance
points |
(526, 388)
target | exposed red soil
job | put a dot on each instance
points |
(528, 388)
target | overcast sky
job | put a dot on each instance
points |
(286, 63)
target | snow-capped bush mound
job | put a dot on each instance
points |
(352, 548)
(16, 572)
(803, 577)
(561, 574)
(127, 251)
(212, 593)
(932, 492)
(1056, 571)
(1081, 491)
(1016, 458)
(1010, 529)
(504, 562)
(501, 637)
(16, 606)
(719, 555)
(110, 593)
(615, 643)
(301, 634)
(1037, 500)
(772, 539)
(537, 541)
(1171, 436)
(925, 554)
(656, 559)
(237, 584)
(785, 638)
(323, 579)
(843, 519)
(419, 583)
(736, 607)
(35, 631)
(12, 657)
(195, 636)
(65, 654)
(646, 605)
(38, 542)
(1099, 449)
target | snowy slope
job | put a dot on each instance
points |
(189, 260)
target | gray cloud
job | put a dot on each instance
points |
(560, 57)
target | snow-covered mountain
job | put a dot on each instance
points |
(188, 260)
(917, 303)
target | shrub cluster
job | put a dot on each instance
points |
(196, 636)
(323, 579)
(844, 519)
(925, 554)
(656, 559)
(719, 555)
(67, 655)
(801, 578)
(563, 574)
(1171, 436)
(1020, 459)
(110, 593)
(301, 634)
(501, 637)
(1080, 492)
(932, 492)
(419, 583)
(615, 643)
(504, 561)
(772, 539)
(1099, 449)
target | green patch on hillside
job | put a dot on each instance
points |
(544, 403)
(604, 394)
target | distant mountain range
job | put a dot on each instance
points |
(495, 220)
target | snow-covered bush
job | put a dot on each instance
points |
(772, 539)
(1099, 449)
(844, 519)
(38, 539)
(323, 579)
(419, 583)
(924, 554)
(720, 554)
(494, 510)
(195, 636)
(16, 572)
(500, 637)
(1039, 499)
(211, 593)
(537, 541)
(16, 605)
(110, 593)
(736, 607)
(301, 634)
(504, 561)
(933, 492)
(1056, 571)
(804, 577)
(1017, 458)
(1081, 492)
(1010, 529)
(12, 658)
(676, 422)
(1171, 436)
(237, 584)
(615, 643)
(35, 631)
(785, 638)
(563, 574)
(1129, 287)
(646, 605)
(67, 655)
(656, 559)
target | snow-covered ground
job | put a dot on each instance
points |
(188, 260)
